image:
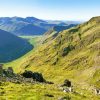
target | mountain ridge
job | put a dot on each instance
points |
(82, 40)
(28, 25)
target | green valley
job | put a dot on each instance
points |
(72, 54)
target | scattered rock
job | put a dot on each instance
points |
(1, 69)
(1, 66)
(65, 98)
(66, 86)
(49, 95)
(97, 91)
(49, 82)
(66, 83)
(8, 75)
(67, 49)
(10, 70)
(67, 89)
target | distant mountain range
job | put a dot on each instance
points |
(30, 25)
(12, 47)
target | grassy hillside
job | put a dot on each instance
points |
(53, 32)
(73, 54)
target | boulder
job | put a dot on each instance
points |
(66, 83)
(10, 70)
(97, 91)
(49, 95)
(1, 66)
(67, 89)
(67, 49)
(35, 75)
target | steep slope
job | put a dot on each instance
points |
(53, 32)
(74, 53)
(26, 26)
(12, 47)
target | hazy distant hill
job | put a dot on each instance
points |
(12, 47)
(28, 25)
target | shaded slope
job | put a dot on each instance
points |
(20, 26)
(30, 30)
(12, 47)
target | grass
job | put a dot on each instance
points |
(32, 39)
(80, 65)
(11, 91)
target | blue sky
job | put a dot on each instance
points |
(51, 9)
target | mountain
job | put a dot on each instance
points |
(20, 26)
(12, 47)
(27, 26)
(73, 54)
(53, 32)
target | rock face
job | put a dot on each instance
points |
(6, 73)
(35, 75)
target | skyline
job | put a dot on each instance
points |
(51, 9)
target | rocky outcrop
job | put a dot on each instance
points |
(8, 75)
(97, 91)
(67, 86)
(66, 83)
(67, 49)
(34, 75)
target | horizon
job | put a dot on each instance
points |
(70, 10)
(43, 19)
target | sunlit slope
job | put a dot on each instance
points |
(53, 32)
(74, 53)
